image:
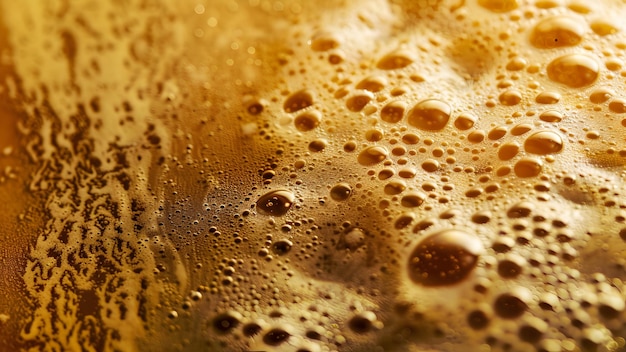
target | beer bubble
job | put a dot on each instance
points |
(429, 115)
(275, 203)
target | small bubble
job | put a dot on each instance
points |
(551, 116)
(465, 121)
(340, 192)
(282, 247)
(543, 143)
(362, 322)
(298, 101)
(372, 83)
(412, 200)
(317, 145)
(602, 28)
(358, 101)
(574, 70)
(395, 60)
(430, 115)
(393, 111)
(372, 156)
(394, 187)
(510, 97)
(508, 151)
(308, 120)
(557, 32)
(276, 337)
(527, 167)
(477, 319)
(430, 165)
(548, 98)
(323, 41)
(499, 6)
(444, 258)
(275, 203)
(511, 305)
(225, 322)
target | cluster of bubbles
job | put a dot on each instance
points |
(450, 180)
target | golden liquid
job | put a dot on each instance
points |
(312, 175)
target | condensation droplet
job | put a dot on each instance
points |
(543, 143)
(465, 121)
(444, 258)
(275, 203)
(557, 32)
(574, 70)
(430, 115)
(395, 60)
(499, 6)
(508, 151)
(298, 101)
(372, 83)
(358, 101)
(393, 111)
(308, 120)
(372, 155)
(551, 116)
(527, 167)
(412, 200)
(340, 192)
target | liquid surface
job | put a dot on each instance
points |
(260, 175)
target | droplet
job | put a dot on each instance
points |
(341, 192)
(618, 106)
(282, 247)
(317, 145)
(275, 203)
(465, 121)
(412, 200)
(308, 120)
(517, 63)
(508, 151)
(511, 305)
(476, 136)
(323, 41)
(395, 60)
(520, 210)
(444, 258)
(557, 32)
(520, 129)
(394, 187)
(601, 95)
(298, 101)
(499, 6)
(225, 322)
(551, 116)
(362, 322)
(372, 155)
(548, 98)
(602, 28)
(393, 112)
(527, 167)
(372, 83)
(497, 133)
(543, 143)
(574, 70)
(511, 266)
(532, 330)
(358, 101)
(430, 115)
(430, 165)
(477, 319)
(276, 337)
(510, 97)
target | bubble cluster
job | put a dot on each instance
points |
(313, 176)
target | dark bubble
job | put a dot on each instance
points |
(275, 203)
(444, 258)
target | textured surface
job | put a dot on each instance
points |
(313, 176)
